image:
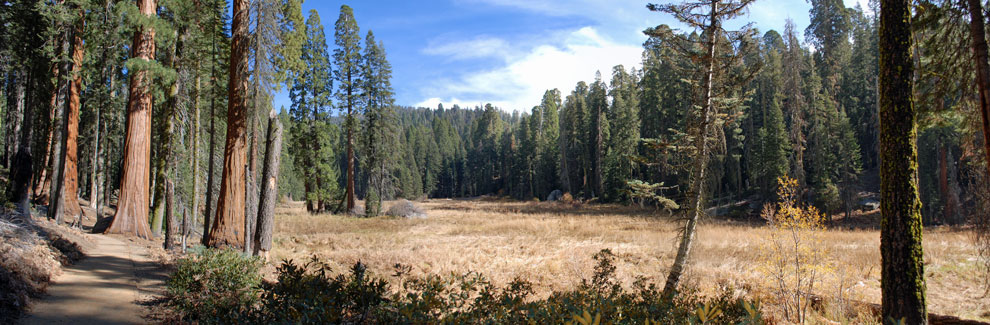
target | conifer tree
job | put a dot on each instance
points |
(132, 205)
(902, 279)
(707, 16)
(347, 73)
(380, 124)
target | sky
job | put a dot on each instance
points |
(509, 52)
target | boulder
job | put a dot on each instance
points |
(405, 209)
(555, 195)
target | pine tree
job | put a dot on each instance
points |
(347, 63)
(902, 280)
(313, 135)
(379, 124)
(597, 128)
(707, 16)
(624, 133)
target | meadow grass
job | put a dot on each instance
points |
(551, 245)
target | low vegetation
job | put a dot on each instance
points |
(311, 293)
(32, 253)
(551, 246)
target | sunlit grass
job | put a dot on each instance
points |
(551, 245)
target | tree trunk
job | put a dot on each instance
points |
(228, 225)
(696, 191)
(269, 193)
(20, 174)
(70, 177)
(15, 109)
(902, 275)
(194, 166)
(171, 222)
(977, 31)
(43, 179)
(350, 154)
(208, 211)
(56, 193)
(132, 204)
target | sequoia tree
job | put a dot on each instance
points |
(228, 225)
(347, 60)
(132, 205)
(902, 279)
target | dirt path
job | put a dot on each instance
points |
(111, 285)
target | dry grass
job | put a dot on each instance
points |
(551, 245)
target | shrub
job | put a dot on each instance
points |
(309, 294)
(567, 198)
(214, 286)
(405, 209)
(793, 256)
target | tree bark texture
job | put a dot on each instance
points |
(132, 204)
(228, 225)
(171, 222)
(70, 177)
(902, 275)
(21, 171)
(269, 191)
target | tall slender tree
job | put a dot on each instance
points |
(347, 73)
(707, 16)
(380, 124)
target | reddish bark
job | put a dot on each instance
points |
(70, 180)
(228, 225)
(977, 29)
(132, 206)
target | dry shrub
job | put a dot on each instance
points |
(32, 253)
(27, 264)
(405, 209)
(567, 198)
(794, 257)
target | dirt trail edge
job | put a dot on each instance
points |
(111, 285)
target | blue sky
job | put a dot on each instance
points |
(508, 52)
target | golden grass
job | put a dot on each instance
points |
(551, 245)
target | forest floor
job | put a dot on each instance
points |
(115, 283)
(551, 245)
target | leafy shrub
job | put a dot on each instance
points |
(309, 294)
(214, 286)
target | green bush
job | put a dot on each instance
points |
(214, 286)
(309, 294)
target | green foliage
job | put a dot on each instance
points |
(310, 293)
(211, 285)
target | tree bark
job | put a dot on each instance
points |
(208, 211)
(20, 174)
(977, 30)
(269, 193)
(697, 190)
(70, 177)
(132, 205)
(55, 196)
(902, 275)
(171, 222)
(228, 225)
(194, 166)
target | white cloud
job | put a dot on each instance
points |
(483, 47)
(519, 84)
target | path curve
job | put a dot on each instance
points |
(111, 285)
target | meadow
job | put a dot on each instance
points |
(551, 245)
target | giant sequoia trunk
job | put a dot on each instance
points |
(70, 176)
(228, 225)
(903, 274)
(697, 190)
(132, 205)
(269, 192)
(977, 30)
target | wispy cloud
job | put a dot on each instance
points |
(482, 47)
(520, 82)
